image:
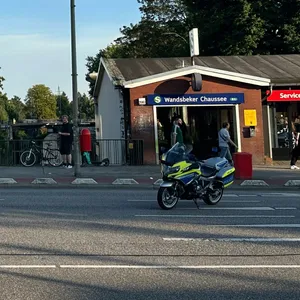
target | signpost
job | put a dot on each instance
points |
(194, 44)
(195, 99)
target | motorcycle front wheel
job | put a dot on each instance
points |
(167, 198)
(214, 195)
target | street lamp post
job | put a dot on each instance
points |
(75, 92)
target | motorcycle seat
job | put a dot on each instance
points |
(208, 171)
(212, 166)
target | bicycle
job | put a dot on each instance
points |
(29, 157)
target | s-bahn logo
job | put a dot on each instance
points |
(157, 99)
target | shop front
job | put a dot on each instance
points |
(284, 112)
(154, 106)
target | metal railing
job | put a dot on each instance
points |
(118, 151)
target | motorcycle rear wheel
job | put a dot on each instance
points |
(167, 198)
(214, 197)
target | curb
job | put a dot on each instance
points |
(142, 183)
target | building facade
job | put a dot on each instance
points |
(136, 99)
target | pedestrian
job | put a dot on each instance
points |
(296, 148)
(176, 134)
(224, 141)
(66, 141)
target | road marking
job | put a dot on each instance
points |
(241, 201)
(233, 239)
(279, 194)
(141, 200)
(152, 267)
(27, 267)
(223, 201)
(261, 225)
(231, 208)
(180, 267)
(216, 216)
(285, 208)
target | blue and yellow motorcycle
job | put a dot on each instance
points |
(188, 179)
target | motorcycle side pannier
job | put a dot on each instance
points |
(226, 175)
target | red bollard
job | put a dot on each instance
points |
(243, 165)
(85, 140)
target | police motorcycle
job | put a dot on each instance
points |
(186, 178)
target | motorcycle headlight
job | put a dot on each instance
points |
(173, 170)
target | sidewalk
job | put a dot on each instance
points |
(263, 176)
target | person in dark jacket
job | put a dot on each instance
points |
(66, 141)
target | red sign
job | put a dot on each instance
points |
(284, 95)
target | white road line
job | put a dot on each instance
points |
(231, 208)
(280, 195)
(230, 195)
(241, 201)
(261, 225)
(233, 239)
(152, 267)
(141, 200)
(223, 201)
(285, 208)
(216, 216)
(180, 267)
(27, 266)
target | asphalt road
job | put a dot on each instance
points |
(118, 244)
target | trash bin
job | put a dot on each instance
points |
(243, 165)
(85, 140)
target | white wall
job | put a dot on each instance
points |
(109, 120)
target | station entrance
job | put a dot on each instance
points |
(200, 128)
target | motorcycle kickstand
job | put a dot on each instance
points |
(196, 202)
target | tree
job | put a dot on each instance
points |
(281, 26)
(3, 114)
(86, 107)
(1, 82)
(41, 103)
(156, 35)
(63, 106)
(3, 104)
(15, 109)
(231, 27)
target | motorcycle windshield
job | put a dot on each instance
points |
(177, 153)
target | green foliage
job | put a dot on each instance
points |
(21, 134)
(41, 103)
(63, 105)
(15, 109)
(1, 82)
(86, 107)
(3, 114)
(231, 27)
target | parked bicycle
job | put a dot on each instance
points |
(29, 157)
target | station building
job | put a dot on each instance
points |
(136, 100)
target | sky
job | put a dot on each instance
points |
(35, 40)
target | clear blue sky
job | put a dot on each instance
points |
(35, 40)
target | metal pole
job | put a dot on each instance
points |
(59, 101)
(75, 92)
